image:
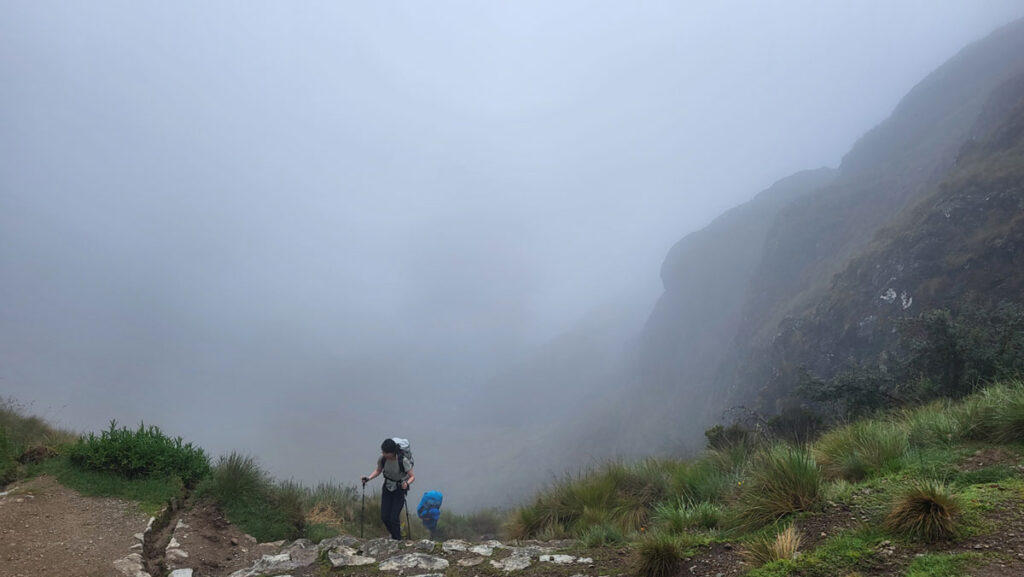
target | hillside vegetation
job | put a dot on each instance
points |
(820, 508)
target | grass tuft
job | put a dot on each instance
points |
(660, 556)
(783, 480)
(927, 511)
(933, 425)
(252, 501)
(779, 547)
(602, 536)
(861, 450)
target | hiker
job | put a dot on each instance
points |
(398, 475)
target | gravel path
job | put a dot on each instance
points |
(47, 529)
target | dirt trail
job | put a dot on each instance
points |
(47, 529)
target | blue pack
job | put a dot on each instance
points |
(429, 510)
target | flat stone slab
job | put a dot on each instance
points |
(340, 541)
(348, 558)
(484, 550)
(414, 561)
(470, 562)
(381, 548)
(424, 545)
(558, 559)
(455, 545)
(268, 564)
(181, 573)
(513, 563)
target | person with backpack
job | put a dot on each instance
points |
(396, 466)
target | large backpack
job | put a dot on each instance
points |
(429, 510)
(404, 450)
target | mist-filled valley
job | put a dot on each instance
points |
(530, 238)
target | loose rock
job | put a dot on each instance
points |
(414, 561)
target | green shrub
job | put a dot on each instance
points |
(926, 510)
(145, 452)
(861, 450)
(660, 556)
(783, 480)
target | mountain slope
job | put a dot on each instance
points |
(713, 341)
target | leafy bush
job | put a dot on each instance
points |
(860, 450)
(783, 480)
(145, 452)
(783, 545)
(926, 510)
(660, 556)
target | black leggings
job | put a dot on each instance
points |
(391, 503)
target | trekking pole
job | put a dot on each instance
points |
(362, 512)
(407, 521)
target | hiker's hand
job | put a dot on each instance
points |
(365, 480)
(405, 485)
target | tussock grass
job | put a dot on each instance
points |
(602, 535)
(660, 556)
(778, 547)
(679, 517)
(622, 494)
(1008, 414)
(861, 450)
(927, 510)
(266, 510)
(711, 478)
(933, 425)
(782, 480)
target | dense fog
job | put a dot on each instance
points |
(294, 229)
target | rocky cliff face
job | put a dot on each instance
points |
(960, 245)
(923, 209)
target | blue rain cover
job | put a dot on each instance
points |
(429, 510)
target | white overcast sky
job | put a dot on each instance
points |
(271, 205)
